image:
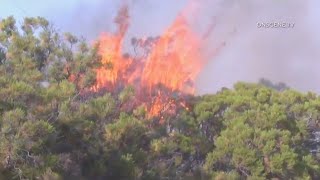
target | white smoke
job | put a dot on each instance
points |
(288, 55)
(282, 55)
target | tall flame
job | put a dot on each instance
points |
(172, 62)
(175, 60)
(114, 64)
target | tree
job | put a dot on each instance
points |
(263, 138)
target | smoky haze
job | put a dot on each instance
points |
(289, 55)
(91, 18)
(281, 55)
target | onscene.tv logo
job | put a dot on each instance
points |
(275, 25)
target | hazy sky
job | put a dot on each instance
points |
(91, 17)
(77, 16)
(288, 55)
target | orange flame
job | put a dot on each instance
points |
(174, 61)
(114, 64)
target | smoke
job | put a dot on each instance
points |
(91, 18)
(289, 55)
(87, 19)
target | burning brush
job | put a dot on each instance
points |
(162, 71)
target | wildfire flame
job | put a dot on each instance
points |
(171, 64)
(114, 64)
(175, 60)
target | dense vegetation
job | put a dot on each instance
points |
(50, 130)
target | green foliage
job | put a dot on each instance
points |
(264, 136)
(60, 92)
(126, 94)
(125, 133)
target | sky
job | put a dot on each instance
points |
(281, 55)
(90, 17)
(70, 15)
